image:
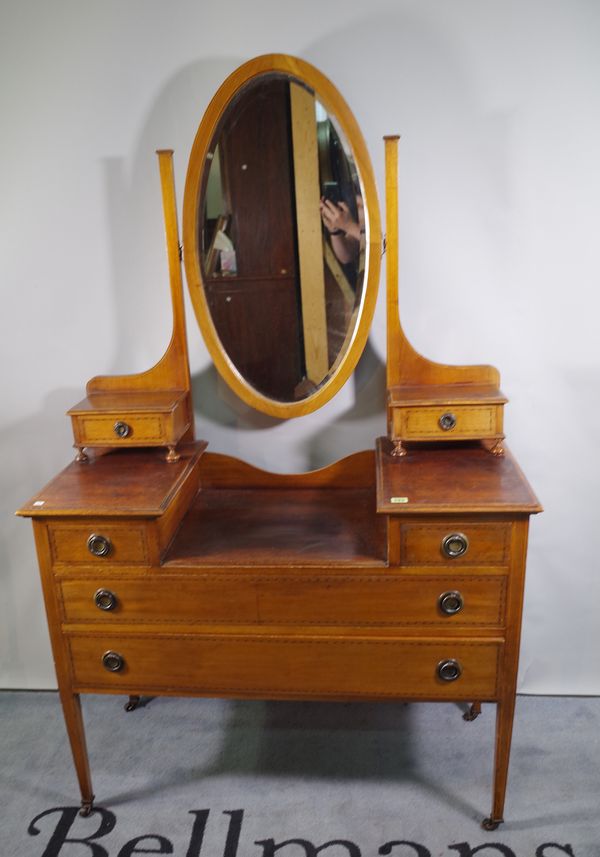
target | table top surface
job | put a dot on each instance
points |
(430, 479)
(457, 477)
(121, 483)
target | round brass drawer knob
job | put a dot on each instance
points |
(451, 602)
(99, 545)
(455, 544)
(449, 670)
(121, 429)
(447, 421)
(113, 662)
(104, 599)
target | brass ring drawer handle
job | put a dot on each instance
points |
(455, 544)
(99, 545)
(450, 602)
(447, 421)
(121, 429)
(113, 662)
(449, 670)
(104, 599)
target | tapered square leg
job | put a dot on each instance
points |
(71, 705)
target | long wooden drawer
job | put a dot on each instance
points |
(435, 543)
(439, 600)
(124, 542)
(275, 666)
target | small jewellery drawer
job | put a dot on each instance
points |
(384, 601)
(152, 597)
(269, 666)
(455, 542)
(443, 423)
(121, 428)
(101, 542)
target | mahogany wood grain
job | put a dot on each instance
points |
(489, 543)
(129, 542)
(273, 666)
(299, 598)
(453, 478)
(317, 526)
(128, 483)
(223, 471)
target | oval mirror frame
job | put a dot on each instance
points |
(335, 105)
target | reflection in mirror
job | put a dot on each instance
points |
(282, 237)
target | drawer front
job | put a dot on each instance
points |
(455, 543)
(446, 422)
(285, 666)
(155, 598)
(113, 543)
(438, 601)
(135, 429)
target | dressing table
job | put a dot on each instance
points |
(395, 573)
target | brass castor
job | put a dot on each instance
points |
(86, 807)
(132, 703)
(491, 823)
(473, 712)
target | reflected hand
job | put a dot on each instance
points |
(337, 218)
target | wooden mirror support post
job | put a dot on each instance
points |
(429, 401)
(152, 408)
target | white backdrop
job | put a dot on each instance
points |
(498, 107)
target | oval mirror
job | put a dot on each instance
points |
(281, 235)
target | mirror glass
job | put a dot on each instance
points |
(281, 236)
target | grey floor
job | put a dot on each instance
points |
(365, 774)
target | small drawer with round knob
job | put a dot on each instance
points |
(135, 419)
(117, 429)
(98, 543)
(456, 543)
(449, 422)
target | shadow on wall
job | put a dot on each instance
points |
(46, 438)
